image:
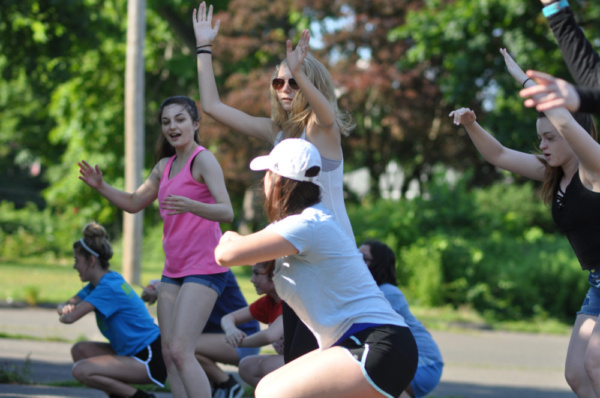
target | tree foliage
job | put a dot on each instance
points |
(400, 67)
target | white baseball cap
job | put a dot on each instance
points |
(291, 158)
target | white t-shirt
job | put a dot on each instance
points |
(332, 194)
(327, 283)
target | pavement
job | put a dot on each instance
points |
(478, 363)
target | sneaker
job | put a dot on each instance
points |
(234, 391)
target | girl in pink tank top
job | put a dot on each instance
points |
(189, 184)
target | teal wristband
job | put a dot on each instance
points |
(553, 8)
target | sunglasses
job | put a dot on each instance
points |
(279, 83)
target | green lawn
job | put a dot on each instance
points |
(37, 281)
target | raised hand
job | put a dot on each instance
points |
(463, 116)
(549, 93)
(90, 175)
(295, 57)
(513, 68)
(202, 21)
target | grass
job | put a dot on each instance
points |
(15, 374)
(37, 282)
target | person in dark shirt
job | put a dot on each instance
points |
(569, 168)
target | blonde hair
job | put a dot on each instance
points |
(295, 122)
(95, 238)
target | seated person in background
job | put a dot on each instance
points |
(382, 263)
(266, 309)
(212, 347)
(133, 354)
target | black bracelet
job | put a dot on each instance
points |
(203, 52)
(206, 45)
(526, 81)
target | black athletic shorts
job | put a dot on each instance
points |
(387, 355)
(152, 357)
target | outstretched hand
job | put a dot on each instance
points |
(549, 93)
(202, 21)
(90, 175)
(294, 58)
(513, 68)
(464, 116)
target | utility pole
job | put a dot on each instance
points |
(134, 135)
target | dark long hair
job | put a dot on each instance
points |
(289, 196)
(383, 265)
(162, 148)
(96, 238)
(552, 175)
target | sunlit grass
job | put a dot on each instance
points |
(35, 282)
(52, 283)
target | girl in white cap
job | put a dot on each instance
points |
(303, 105)
(365, 347)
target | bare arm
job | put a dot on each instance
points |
(68, 305)
(76, 313)
(237, 120)
(229, 322)
(129, 202)
(493, 151)
(323, 131)
(235, 249)
(205, 168)
(266, 336)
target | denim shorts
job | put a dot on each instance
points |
(216, 282)
(591, 303)
(244, 352)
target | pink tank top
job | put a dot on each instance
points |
(189, 241)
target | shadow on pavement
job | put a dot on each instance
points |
(465, 390)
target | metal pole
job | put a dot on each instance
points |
(134, 135)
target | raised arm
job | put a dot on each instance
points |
(237, 120)
(493, 151)
(551, 92)
(515, 70)
(323, 130)
(585, 147)
(129, 202)
(206, 169)
(581, 59)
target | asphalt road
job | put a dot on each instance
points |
(478, 363)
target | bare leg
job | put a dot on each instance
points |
(167, 296)
(253, 368)
(575, 371)
(212, 348)
(592, 358)
(328, 373)
(99, 367)
(89, 349)
(192, 308)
